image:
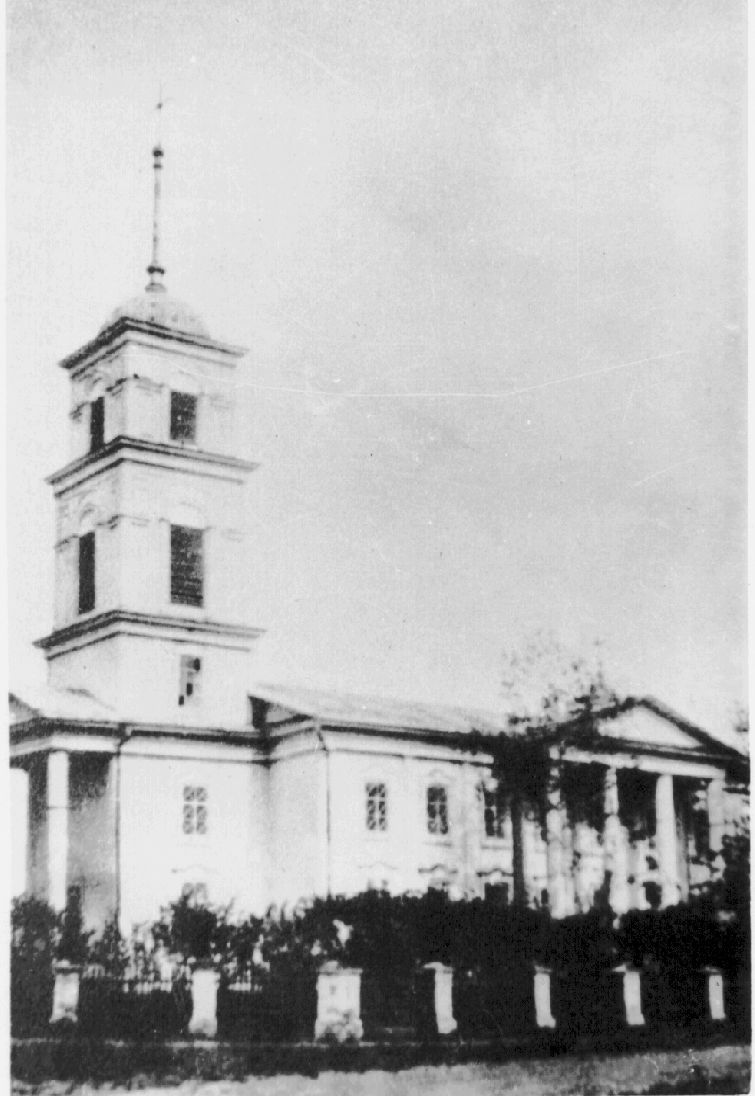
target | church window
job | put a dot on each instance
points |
(437, 809)
(195, 894)
(183, 417)
(96, 424)
(86, 573)
(186, 566)
(191, 669)
(195, 810)
(377, 807)
(494, 809)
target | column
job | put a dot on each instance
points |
(555, 837)
(613, 844)
(665, 839)
(470, 817)
(518, 858)
(57, 828)
(716, 824)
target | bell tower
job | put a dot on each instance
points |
(150, 547)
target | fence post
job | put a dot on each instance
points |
(631, 994)
(542, 987)
(338, 1003)
(204, 1002)
(443, 997)
(65, 997)
(714, 986)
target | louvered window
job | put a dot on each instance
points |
(96, 424)
(183, 417)
(86, 573)
(186, 566)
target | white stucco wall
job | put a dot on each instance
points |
(157, 858)
(298, 822)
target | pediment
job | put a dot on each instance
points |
(653, 730)
(20, 711)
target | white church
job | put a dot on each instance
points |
(152, 768)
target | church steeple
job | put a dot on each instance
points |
(150, 516)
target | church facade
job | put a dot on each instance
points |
(152, 767)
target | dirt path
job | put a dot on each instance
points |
(594, 1075)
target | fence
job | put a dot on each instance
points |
(137, 1007)
(259, 1005)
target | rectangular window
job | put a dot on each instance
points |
(186, 566)
(191, 668)
(195, 810)
(437, 809)
(183, 417)
(96, 424)
(494, 806)
(377, 807)
(86, 573)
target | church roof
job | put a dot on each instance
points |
(49, 702)
(343, 710)
(348, 709)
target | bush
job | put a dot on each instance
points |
(34, 934)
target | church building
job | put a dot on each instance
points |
(153, 768)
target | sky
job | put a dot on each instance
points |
(489, 262)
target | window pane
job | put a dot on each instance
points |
(188, 818)
(183, 416)
(86, 573)
(186, 566)
(201, 817)
(377, 816)
(188, 795)
(437, 810)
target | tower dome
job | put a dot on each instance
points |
(158, 307)
(155, 305)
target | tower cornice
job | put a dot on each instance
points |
(93, 628)
(125, 325)
(140, 450)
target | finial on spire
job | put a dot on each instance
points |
(155, 268)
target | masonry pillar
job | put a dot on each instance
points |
(57, 828)
(613, 844)
(665, 839)
(716, 823)
(555, 836)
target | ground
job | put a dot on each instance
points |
(720, 1069)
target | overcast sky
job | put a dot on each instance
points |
(488, 258)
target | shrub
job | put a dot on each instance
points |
(34, 933)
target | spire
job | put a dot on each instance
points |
(155, 269)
